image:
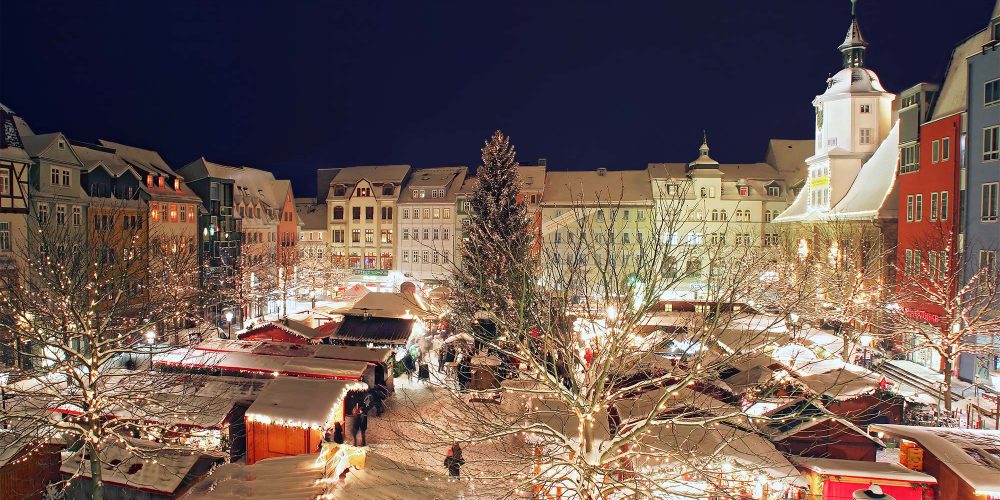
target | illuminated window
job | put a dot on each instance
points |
(155, 212)
(173, 213)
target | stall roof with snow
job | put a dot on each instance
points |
(324, 351)
(171, 471)
(279, 478)
(973, 455)
(263, 364)
(862, 469)
(285, 330)
(301, 402)
(374, 330)
(388, 305)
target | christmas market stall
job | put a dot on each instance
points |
(242, 364)
(965, 462)
(136, 470)
(833, 479)
(26, 464)
(286, 330)
(291, 415)
(383, 319)
(379, 358)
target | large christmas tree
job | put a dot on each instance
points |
(498, 240)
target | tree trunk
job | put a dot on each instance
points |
(96, 483)
(845, 353)
(946, 392)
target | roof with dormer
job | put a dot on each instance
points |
(376, 174)
(448, 178)
(598, 187)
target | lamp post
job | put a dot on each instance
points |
(229, 319)
(150, 339)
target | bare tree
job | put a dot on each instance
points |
(317, 272)
(90, 307)
(945, 305)
(590, 388)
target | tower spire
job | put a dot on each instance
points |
(854, 44)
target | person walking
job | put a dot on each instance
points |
(355, 424)
(464, 373)
(363, 426)
(453, 460)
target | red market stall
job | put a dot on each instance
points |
(291, 415)
(835, 479)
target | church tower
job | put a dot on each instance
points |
(853, 118)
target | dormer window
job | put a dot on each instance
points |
(160, 181)
(744, 190)
(773, 190)
(149, 180)
(339, 191)
(177, 184)
(388, 190)
(363, 192)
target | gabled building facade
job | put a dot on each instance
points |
(361, 205)
(14, 165)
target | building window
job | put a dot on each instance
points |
(989, 211)
(77, 216)
(5, 181)
(866, 108)
(338, 213)
(935, 151)
(909, 208)
(909, 159)
(437, 213)
(5, 236)
(61, 215)
(406, 213)
(339, 190)
(388, 190)
(908, 264)
(369, 213)
(991, 143)
(406, 234)
(173, 213)
(945, 148)
(446, 234)
(446, 213)
(988, 262)
(437, 233)
(934, 206)
(416, 214)
(744, 190)
(386, 236)
(363, 192)
(427, 213)
(600, 214)
(467, 207)
(406, 256)
(992, 94)
(773, 190)
(369, 236)
(386, 213)
(625, 239)
(771, 239)
(865, 136)
(338, 235)
(918, 208)
(356, 213)
(704, 192)
(43, 213)
(355, 236)
(426, 234)
(436, 258)
(183, 213)
(944, 205)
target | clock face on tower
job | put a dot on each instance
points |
(819, 117)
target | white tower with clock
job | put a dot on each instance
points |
(853, 118)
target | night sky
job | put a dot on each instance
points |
(292, 86)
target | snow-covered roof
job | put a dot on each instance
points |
(311, 215)
(301, 402)
(953, 97)
(326, 351)
(278, 478)
(387, 305)
(853, 81)
(872, 194)
(598, 187)
(862, 469)
(376, 174)
(974, 455)
(130, 469)
(264, 364)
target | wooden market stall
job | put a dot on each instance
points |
(833, 479)
(291, 415)
(965, 462)
(250, 364)
(25, 466)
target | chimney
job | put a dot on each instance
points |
(542, 162)
(602, 171)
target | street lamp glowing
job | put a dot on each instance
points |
(229, 316)
(955, 328)
(794, 317)
(150, 336)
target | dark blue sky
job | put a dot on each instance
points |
(295, 85)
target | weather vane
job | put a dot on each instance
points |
(854, 5)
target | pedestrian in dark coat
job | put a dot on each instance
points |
(354, 424)
(363, 427)
(464, 373)
(453, 460)
(338, 433)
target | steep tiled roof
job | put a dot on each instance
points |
(375, 174)
(597, 186)
(448, 178)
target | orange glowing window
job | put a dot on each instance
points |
(173, 213)
(155, 212)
